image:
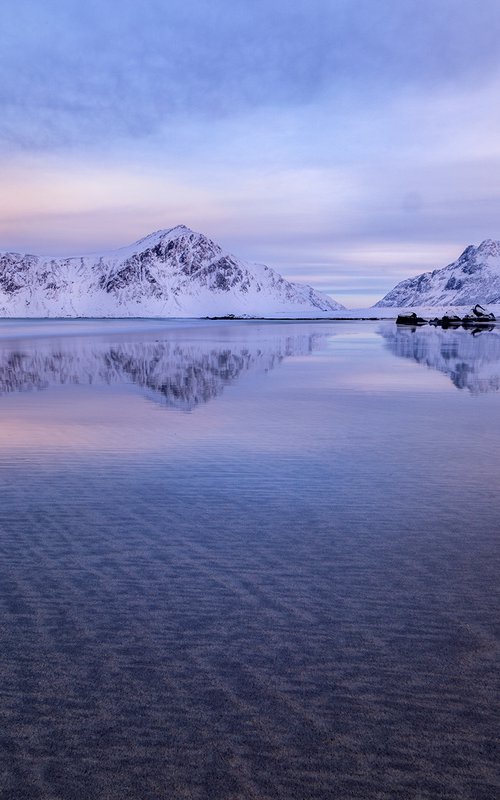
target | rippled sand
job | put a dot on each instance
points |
(286, 589)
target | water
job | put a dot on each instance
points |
(248, 560)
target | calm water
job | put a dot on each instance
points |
(247, 560)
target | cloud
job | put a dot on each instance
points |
(76, 73)
(351, 142)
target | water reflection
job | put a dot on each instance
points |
(178, 373)
(290, 593)
(470, 357)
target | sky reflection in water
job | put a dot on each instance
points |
(248, 559)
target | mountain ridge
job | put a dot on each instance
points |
(473, 278)
(171, 272)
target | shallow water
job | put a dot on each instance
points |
(248, 560)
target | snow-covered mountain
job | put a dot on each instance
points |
(473, 278)
(174, 272)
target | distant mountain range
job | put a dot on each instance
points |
(181, 273)
(170, 273)
(473, 278)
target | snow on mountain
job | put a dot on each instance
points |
(174, 272)
(473, 278)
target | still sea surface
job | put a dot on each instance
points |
(247, 560)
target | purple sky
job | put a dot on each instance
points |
(348, 144)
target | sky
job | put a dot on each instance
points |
(347, 143)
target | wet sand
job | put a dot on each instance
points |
(251, 608)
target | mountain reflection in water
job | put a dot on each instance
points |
(180, 374)
(471, 358)
(290, 593)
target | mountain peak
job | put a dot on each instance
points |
(473, 278)
(170, 272)
(489, 247)
(162, 234)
